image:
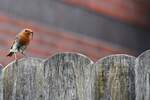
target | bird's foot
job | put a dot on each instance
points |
(24, 55)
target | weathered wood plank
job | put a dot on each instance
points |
(142, 70)
(67, 77)
(114, 78)
(1, 85)
(21, 80)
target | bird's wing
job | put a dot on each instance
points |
(16, 39)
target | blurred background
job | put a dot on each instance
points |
(96, 28)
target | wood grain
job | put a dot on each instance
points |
(66, 77)
(21, 80)
(114, 78)
(142, 70)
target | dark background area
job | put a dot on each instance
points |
(82, 20)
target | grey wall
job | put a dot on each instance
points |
(79, 20)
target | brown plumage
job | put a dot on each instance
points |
(21, 42)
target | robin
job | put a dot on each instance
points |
(21, 42)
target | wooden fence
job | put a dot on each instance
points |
(72, 76)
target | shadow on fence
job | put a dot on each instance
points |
(72, 76)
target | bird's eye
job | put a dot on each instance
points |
(26, 31)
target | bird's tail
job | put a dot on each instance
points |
(10, 54)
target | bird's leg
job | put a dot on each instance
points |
(15, 56)
(23, 54)
(16, 60)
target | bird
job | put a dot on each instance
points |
(21, 42)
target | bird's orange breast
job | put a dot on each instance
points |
(24, 40)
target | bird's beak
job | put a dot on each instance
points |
(31, 35)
